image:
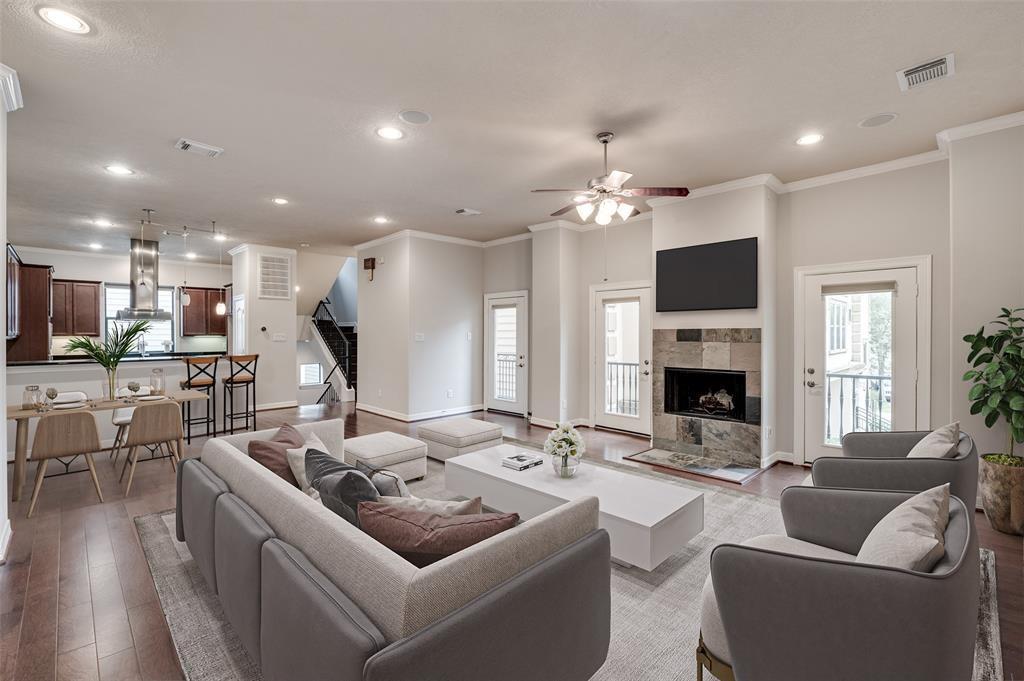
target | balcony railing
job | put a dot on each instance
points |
(857, 403)
(505, 377)
(622, 388)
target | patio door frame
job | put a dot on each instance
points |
(625, 287)
(524, 384)
(923, 265)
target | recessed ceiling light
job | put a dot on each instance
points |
(190, 255)
(117, 169)
(381, 220)
(414, 117)
(809, 139)
(95, 247)
(297, 289)
(65, 21)
(102, 222)
(304, 245)
(280, 201)
(390, 133)
(220, 236)
(878, 120)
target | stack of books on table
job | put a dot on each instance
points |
(521, 461)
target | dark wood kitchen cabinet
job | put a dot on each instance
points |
(76, 307)
(13, 302)
(199, 317)
(33, 341)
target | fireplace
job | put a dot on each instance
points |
(706, 393)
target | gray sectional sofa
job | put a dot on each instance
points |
(312, 597)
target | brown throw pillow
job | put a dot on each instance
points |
(273, 453)
(423, 538)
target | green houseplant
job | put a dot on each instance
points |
(997, 394)
(120, 340)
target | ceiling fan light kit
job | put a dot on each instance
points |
(606, 196)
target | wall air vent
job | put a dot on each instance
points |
(274, 277)
(916, 76)
(194, 147)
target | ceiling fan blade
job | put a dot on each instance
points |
(617, 178)
(575, 191)
(563, 211)
(658, 191)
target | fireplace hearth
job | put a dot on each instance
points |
(706, 393)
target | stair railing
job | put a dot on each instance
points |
(322, 314)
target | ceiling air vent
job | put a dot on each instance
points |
(274, 277)
(916, 76)
(194, 147)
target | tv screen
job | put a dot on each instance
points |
(719, 276)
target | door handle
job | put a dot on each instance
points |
(647, 373)
(811, 384)
(521, 365)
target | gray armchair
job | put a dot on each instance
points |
(797, 607)
(879, 461)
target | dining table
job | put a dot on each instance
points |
(22, 416)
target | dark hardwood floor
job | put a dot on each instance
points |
(77, 600)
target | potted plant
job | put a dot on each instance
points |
(120, 340)
(565, 445)
(997, 394)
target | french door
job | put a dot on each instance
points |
(860, 367)
(505, 351)
(622, 362)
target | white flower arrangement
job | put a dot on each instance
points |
(564, 441)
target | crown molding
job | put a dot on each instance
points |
(10, 89)
(555, 224)
(260, 248)
(414, 234)
(866, 171)
(508, 240)
(108, 255)
(984, 127)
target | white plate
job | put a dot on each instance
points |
(152, 398)
(67, 399)
(69, 405)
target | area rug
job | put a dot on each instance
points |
(655, 615)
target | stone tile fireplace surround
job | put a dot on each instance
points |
(724, 367)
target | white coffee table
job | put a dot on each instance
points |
(647, 520)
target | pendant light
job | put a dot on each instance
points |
(186, 299)
(220, 309)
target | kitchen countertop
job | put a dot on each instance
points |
(71, 360)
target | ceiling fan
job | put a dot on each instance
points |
(605, 196)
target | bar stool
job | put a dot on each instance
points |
(201, 375)
(70, 434)
(157, 424)
(242, 375)
(122, 418)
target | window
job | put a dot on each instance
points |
(838, 313)
(161, 331)
(310, 374)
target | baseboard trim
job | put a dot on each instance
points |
(420, 416)
(6, 534)
(778, 457)
(545, 423)
(269, 406)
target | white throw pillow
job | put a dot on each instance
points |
(941, 443)
(912, 536)
(297, 460)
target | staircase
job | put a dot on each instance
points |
(342, 342)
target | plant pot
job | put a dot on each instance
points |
(1002, 496)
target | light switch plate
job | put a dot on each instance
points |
(449, 393)
(419, 337)
(279, 338)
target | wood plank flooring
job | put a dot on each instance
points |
(77, 600)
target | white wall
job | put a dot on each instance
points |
(446, 311)
(545, 327)
(384, 337)
(344, 293)
(5, 524)
(901, 213)
(317, 273)
(987, 242)
(508, 267)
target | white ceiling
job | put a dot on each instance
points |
(697, 93)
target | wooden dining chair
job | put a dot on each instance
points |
(122, 418)
(158, 425)
(69, 434)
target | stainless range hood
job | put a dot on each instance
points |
(144, 282)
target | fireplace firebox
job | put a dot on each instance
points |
(706, 393)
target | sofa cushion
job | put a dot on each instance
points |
(381, 450)
(712, 630)
(468, 507)
(912, 536)
(272, 453)
(941, 443)
(343, 491)
(460, 432)
(388, 483)
(319, 464)
(422, 537)
(297, 460)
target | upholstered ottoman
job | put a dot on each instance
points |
(402, 455)
(446, 439)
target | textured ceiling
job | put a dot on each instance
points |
(697, 93)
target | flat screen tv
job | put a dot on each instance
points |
(719, 276)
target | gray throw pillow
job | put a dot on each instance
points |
(297, 460)
(941, 443)
(389, 484)
(341, 492)
(446, 508)
(912, 536)
(319, 464)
